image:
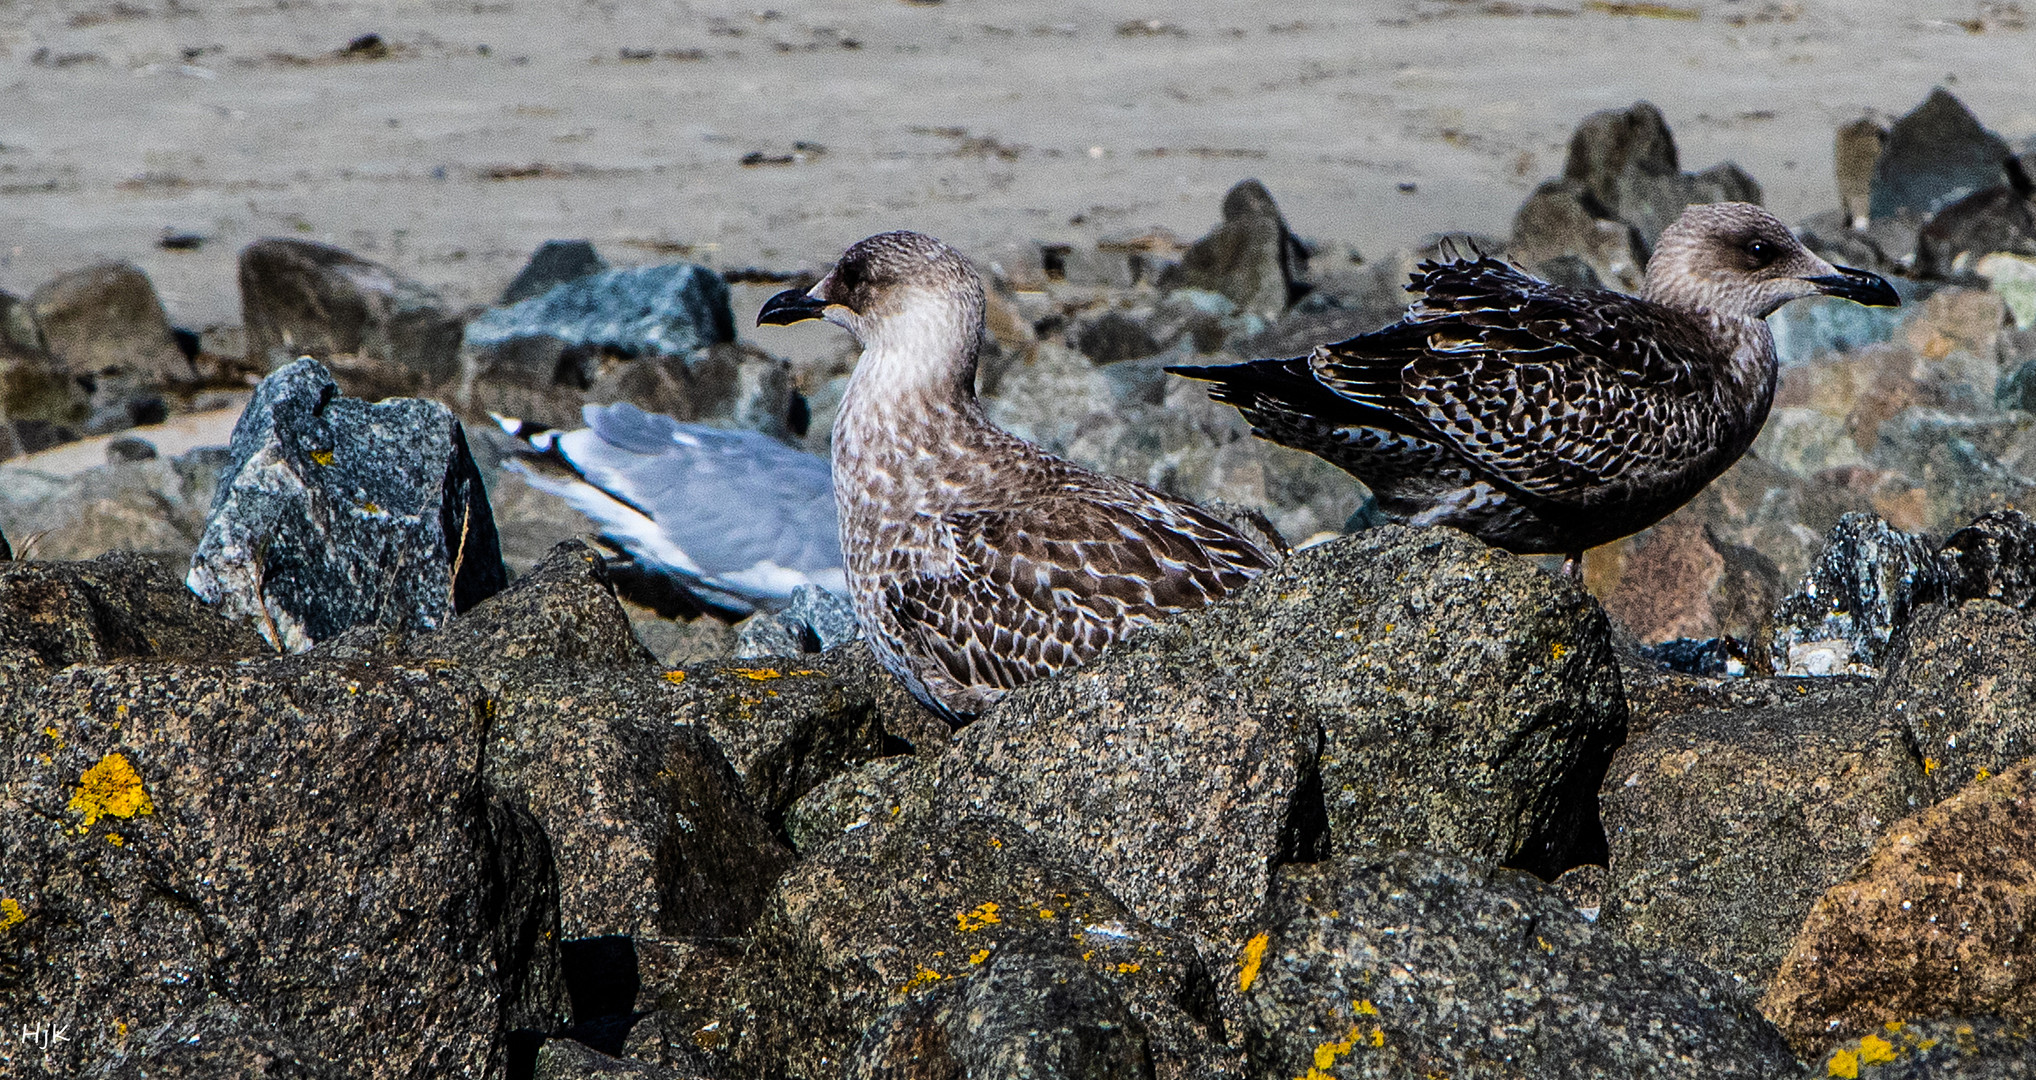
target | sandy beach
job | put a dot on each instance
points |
(464, 134)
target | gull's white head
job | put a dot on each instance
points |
(1737, 259)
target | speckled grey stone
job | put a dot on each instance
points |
(1962, 686)
(1416, 964)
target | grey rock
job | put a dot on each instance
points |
(1735, 803)
(307, 838)
(554, 263)
(1627, 160)
(1418, 964)
(564, 1059)
(1114, 336)
(1820, 326)
(129, 449)
(1994, 558)
(562, 611)
(785, 727)
(884, 917)
(1021, 1014)
(117, 606)
(1962, 683)
(871, 795)
(814, 621)
(35, 387)
(1345, 302)
(1565, 219)
(1842, 615)
(1252, 257)
(1983, 1048)
(2016, 388)
(1937, 154)
(1967, 463)
(105, 326)
(1832, 235)
(383, 334)
(18, 333)
(27, 436)
(157, 506)
(1997, 218)
(333, 512)
(669, 310)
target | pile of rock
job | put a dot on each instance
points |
(1402, 806)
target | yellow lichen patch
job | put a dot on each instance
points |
(1874, 1050)
(984, 914)
(757, 674)
(1254, 955)
(675, 677)
(116, 839)
(1543, 942)
(1378, 1036)
(120, 1029)
(11, 913)
(979, 956)
(1557, 651)
(111, 787)
(1982, 774)
(1844, 1065)
(1364, 1008)
(1929, 766)
(1128, 968)
(322, 457)
(996, 843)
(1046, 913)
(926, 977)
(371, 508)
(1327, 1053)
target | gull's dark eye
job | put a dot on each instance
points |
(1760, 252)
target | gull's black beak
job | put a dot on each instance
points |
(1857, 286)
(794, 305)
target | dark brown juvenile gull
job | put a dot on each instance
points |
(1545, 419)
(978, 562)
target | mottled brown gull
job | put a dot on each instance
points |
(1545, 419)
(976, 561)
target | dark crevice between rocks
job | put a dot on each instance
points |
(658, 591)
(1304, 830)
(1197, 998)
(602, 982)
(1572, 834)
(468, 524)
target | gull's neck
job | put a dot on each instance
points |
(917, 372)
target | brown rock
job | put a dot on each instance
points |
(1564, 218)
(107, 317)
(1936, 923)
(1252, 257)
(1680, 580)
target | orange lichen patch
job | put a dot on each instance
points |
(322, 457)
(675, 677)
(979, 956)
(1129, 967)
(111, 788)
(1046, 913)
(926, 977)
(984, 914)
(1929, 766)
(11, 913)
(1557, 651)
(1254, 955)
(766, 674)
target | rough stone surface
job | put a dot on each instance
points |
(1417, 964)
(1934, 156)
(1039, 1015)
(554, 263)
(115, 607)
(1981, 1049)
(1682, 580)
(106, 327)
(306, 838)
(563, 610)
(814, 621)
(1998, 218)
(884, 916)
(1251, 258)
(1736, 803)
(1564, 219)
(382, 333)
(157, 506)
(1994, 558)
(564, 1059)
(668, 310)
(1627, 159)
(1962, 684)
(333, 512)
(1936, 923)
(1843, 614)
(33, 386)
(873, 794)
